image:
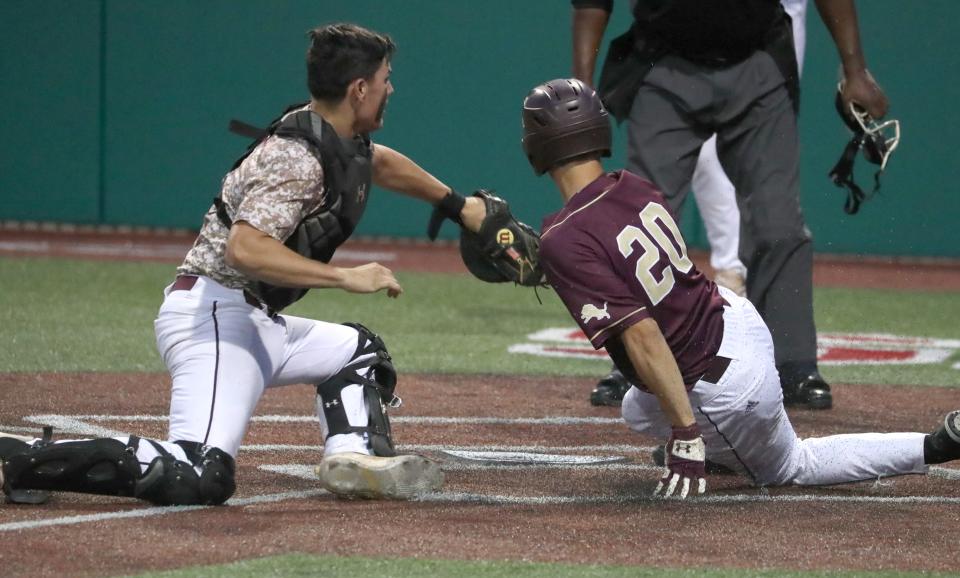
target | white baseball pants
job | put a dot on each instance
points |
(746, 428)
(222, 354)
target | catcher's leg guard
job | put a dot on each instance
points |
(372, 369)
(171, 482)
(99, 466)
(11, 445)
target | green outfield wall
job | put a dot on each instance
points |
(115, 111)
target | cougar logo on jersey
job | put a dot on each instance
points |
(591, 312)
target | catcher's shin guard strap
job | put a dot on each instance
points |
(371, 352)
(377, 429)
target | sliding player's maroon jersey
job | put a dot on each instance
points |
(615, 256)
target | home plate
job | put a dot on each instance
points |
(530, 458)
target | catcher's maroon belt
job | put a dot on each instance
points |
(186, 283)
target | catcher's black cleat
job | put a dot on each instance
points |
(943, 445)
(659, 458)
(812, 392)
(610, 390)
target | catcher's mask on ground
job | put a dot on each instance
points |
(563, 119)
(876, 139)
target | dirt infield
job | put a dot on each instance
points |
(583, 513)
(589, 505)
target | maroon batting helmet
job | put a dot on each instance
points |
(563, 119)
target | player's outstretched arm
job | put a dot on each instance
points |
(685, 452)
(260, 256)
(395, 171)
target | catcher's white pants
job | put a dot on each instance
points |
(222, 353)
(746, 428)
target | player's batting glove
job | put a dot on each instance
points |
(685, 458)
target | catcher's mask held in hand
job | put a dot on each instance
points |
(878, 140)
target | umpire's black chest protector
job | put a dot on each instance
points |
(347, 175)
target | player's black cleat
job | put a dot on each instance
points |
(610, 390)
(812, 392)
(659, 455)
(943, 445)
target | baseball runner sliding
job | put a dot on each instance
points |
(700, 356)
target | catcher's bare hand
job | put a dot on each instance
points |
(473, 213)
(370, 278)
(685, 462)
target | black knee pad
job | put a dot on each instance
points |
(99, 466)
(378, 392)
(171, 482)
(217, 477)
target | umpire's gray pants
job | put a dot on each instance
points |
(680, 105)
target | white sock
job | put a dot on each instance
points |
(356, 409)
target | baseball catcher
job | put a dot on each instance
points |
(503, 249)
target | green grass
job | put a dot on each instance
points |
(340, 567)
(64, 315)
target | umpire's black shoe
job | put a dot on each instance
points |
(610, 390)
(811, 392)
(660, 454)
(943, 445)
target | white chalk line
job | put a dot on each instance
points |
(463, 497)
(615, 448)
(421, 419)
(89, 424)
(155, 511)
(80, 424)
(306, 472)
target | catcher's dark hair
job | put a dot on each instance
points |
(341, 53)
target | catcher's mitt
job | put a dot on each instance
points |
(504, 249)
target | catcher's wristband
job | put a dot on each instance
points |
(449, 207)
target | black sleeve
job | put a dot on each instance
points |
(606, 5)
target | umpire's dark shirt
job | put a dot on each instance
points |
(703, 28)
